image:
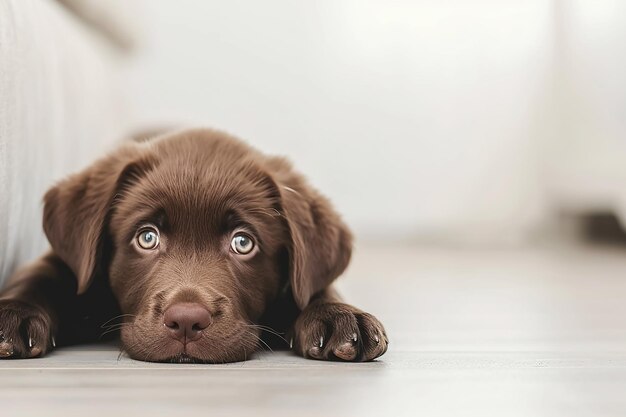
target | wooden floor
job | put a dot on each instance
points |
(522, 332)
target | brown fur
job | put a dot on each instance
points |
(197, 188)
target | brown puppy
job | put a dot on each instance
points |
(194, 244)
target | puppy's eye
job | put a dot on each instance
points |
(148, 238)
(242, 244)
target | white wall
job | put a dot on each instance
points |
(418, 118)
(590, 107)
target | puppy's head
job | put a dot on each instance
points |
(197, 234)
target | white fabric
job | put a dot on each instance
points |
(60, 106)
(116, 19)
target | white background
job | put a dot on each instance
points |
(441, 120)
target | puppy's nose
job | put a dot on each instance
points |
(185, 321)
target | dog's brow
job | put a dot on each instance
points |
(237, 219)
(157, 216)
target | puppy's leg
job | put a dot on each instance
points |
(329, 329)
(31, 305)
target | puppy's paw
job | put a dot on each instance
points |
(337, 331)
(25, 330)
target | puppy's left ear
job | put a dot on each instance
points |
(77, 208)
(321, 244)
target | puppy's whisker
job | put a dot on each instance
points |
(271, 213)
(118, 325)
(115, 328)
(268, 330)
(112, 326)
(116, 317)
(260, 340)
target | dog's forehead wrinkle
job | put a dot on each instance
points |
(192, 192)
(204, 170)
(200, 210)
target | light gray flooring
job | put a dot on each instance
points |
(528, 332)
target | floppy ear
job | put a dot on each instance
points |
(321, 244)
(77, 208)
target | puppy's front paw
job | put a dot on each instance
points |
(25, 330)
(337, 331)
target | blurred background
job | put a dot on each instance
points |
(479, 123)
(471, 122)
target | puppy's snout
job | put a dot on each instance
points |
(185, 321)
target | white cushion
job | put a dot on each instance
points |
(61, 105)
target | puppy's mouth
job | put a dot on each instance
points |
(225, 341)
(183, 357)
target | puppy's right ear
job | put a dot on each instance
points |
(76, 209)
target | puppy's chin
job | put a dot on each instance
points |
(156, 346)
